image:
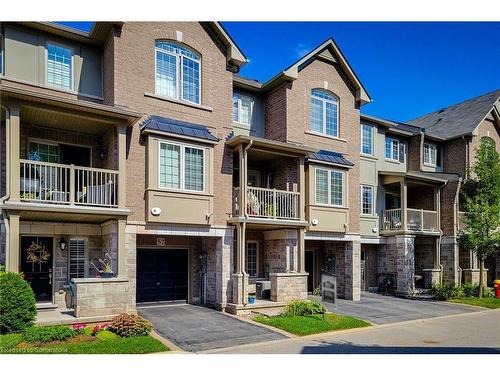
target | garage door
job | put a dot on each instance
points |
(162, 275)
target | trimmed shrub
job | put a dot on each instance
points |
(471, 289)
(488, 293)
(48, 333)
(17, 303)
(128, 325)
(446, 291)
(2, 268)
(303, 308)
(106, 335)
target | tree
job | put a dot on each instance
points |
(482, 206)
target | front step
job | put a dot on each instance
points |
(45, 306)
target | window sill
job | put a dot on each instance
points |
(368, 216)
(393, 161)
(325, 136)
(430, 165)
(364, 156)
(177, 101)
(330, 206)
(178, 191)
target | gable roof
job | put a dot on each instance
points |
(327, 50)
(459, 119)
(100, 30)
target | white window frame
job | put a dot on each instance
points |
(392, 156)
(182, 166)
(371, 140)
(429, 149)
(372, 208)
(337, 103)
(240, 97)
(72, 74)
(256, 258)
(329, 186)
(178, 72)
(85, 257)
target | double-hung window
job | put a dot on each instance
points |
(394, 149)
(329, 187)
(242, 109)
(59, 66)
(76, 258)
(324, 113)
(252, 249)
(366, 200)
(430, 154)
(1, 54)
(366, 139)
(44, 152)
(181, 167)
(178, 72)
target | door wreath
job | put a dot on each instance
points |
(37, 253)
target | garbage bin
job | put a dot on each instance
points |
(497, 288)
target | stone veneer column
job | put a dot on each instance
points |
(405, 264)
(130, 269)
(353, 270)
(450, 260)
(224, 266)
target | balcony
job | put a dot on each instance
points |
(418, 220)
(268, 203)
(51, 183)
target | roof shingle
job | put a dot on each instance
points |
(186, 129)
(330, 157)
(459, 119)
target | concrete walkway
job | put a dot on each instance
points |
(195, 328)
(379, 309)
(469, 333)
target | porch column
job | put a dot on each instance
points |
(240, 278)
(404, 203)
(14, 140)
(438, 208)
(122, 251)
(242, 197)
(121, 139)
(405, 264)
(353, 270)
(301, 251)
(302, 188)
(12, 247)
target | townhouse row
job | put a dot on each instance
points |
(142, 142)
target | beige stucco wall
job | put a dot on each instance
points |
(25, 59)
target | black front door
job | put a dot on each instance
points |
(36, 265)
(310, 270)
(162, 275)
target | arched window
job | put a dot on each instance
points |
(324, 113)
(178, 72)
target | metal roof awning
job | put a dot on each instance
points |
(330, 157)
(176, 128)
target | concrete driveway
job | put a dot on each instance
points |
(196, 328)
(379, 309)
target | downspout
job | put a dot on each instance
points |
(457, 214)
(441, 268)
(7, 178)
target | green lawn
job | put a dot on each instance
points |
(489, 302)
(307, 325)
(12, 343)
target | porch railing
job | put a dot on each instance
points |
(53, 183)
(417, 220)
(269, 203)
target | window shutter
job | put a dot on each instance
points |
(438, 156)
(401, 152)
(76, 259)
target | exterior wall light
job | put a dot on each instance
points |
(62, 243)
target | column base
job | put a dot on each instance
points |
(431, 276)
(240, 288)
(471, 275)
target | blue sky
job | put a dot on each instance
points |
(408, 69)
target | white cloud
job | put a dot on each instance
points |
(301, 50)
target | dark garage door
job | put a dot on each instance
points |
(162, 275)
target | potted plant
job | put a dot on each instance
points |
(105, 270)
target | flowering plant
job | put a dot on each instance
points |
(79, 327)
(105, 265)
